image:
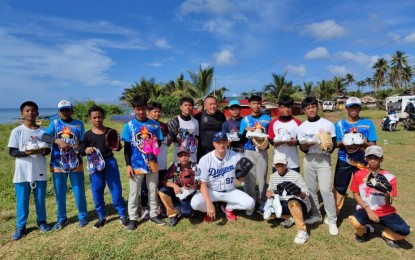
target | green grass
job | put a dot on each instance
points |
(251, 238)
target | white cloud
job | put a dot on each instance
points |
(337, 70)
(317, 53)
(224, 58)
(394, 36)
(162, 44)
(199, 6)
(357, 57)
(410, 38)
(298, 70)
(325, 30)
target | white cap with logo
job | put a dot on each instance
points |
(64, 104)
(353, 101)
(280, 158)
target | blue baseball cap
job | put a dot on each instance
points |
(234, 103)
(219, 136)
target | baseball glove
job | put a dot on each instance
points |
(379, 182)
(326, 143)
(261, 144)
(242, 168)
(289, 187)
(113, 140)
(187, 178)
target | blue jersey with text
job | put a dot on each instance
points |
(250, 121)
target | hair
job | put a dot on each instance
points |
(187, 99)
(28, 104)
(139, 101)
(286, 101)
(308, 101)
(96, 108)
(153, 104)
(255, 97)
(206, 98)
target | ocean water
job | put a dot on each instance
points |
(12, 115)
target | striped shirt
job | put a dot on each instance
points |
(291, 176)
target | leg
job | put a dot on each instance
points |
(261, 174)
(310, 179)
(152, 180)
(166, 194)
(22, 203)
(359, 221)
(185, 207)
(40, 197)
(238, 200)
(396, 228)
(144, 193)
(60, 187)
(342, 176)
(97, 188)
(78, 188)
(134, 196)
(112, 175)
(250, 179)
(199, 204)
(296, 210)
(323, 168)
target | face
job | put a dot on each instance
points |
(155, 114)
(65, 113)
(311, 111)
(373, 161)
(140, 113)
(284, 110)
(183, 158)
(211, 106)
(280, 167)
(353, 111)
(255, 107)
(221, 145)
(29, 113)
(186, 108)
(235, 111)
(96, 118)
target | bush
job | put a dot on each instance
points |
(170, 105)
(81, 109)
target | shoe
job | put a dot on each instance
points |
(100, 223)
(357, 138)
(313, 220)
(43, 226)
(132, 225)
(99, 161)
(286, 137)
(348, 139)
(288, 222)
(278, 138)
(18, 233)
(83, 223)
(124, 221)
(301, 237)
(147, 146)
(390, 242)
(277, 205)
(207, 219)
(303, 140)
(42, 145)
(32, 145)
(333, 230)
(229, 213)
(268, 208)
(64, 163)
(158, 221)
(250, 212)
(73, 159)
(173, 221)
(60, 224)
(145, 214)
(90, 166)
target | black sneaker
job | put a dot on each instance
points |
(173, 221)
(390, 242)
(158, 221)
(124, 221)
(100, 223)
(363, 238)
(132, 225)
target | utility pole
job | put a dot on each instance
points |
(214, 87)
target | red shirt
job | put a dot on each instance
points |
(373, 198)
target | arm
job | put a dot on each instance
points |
(127, 157)
(365, 207)
(211, 212)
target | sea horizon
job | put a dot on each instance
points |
(12, 115)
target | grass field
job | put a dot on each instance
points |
(246, 238)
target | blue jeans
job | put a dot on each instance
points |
(22, 201)
(392, 221)
(185, 207)
(342, 176)
(109, 176)
(60, 185)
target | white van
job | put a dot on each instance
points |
(328, 106)
(398, 104)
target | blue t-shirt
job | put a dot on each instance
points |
(250, 121)
(363, 126)
(136, 132)
(71, 133)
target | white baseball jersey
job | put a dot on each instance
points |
(218, 174)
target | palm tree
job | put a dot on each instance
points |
(201, 82)
(180, 87)
(360, 84)
(279, 87)
(148, 88)
(398, 63)
(323, 90)
(408, 73)
(381, 69)
(338, 85)
(349, 79)
(308, 87)
(219, 93)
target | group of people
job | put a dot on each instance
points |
(206, 150)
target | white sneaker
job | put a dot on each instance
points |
(333, 230)
(286, 137)
(348, 139)
(357, 138)
(32, 145)
(301, 237)
(303, 140)
(288, 223)
(43, 145)
(145, 214)
(313, 220)
(268, 208)
(250, 212)
(278, 138)
(277, 205)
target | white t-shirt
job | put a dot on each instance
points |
(186, 129)
(310, 129)
(219, 174)
(29, 168)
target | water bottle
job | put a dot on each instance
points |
(385, 142)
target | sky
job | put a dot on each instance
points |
(92, 50)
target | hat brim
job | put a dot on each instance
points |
(354, 104)
(217, 140)
(68, 107)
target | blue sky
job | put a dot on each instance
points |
(53, 50)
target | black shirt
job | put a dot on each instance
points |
(95, 140)
(208, 126)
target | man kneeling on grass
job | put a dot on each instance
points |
(216, 175)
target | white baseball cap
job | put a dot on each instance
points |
(280, 158)
(64, 104)
(353, 101)
(374, 150)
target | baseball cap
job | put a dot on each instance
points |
(280, 158)
(353, 101)
(234, 103)
(64, 104)
(182, 150)
(219, 136)
(374, 150)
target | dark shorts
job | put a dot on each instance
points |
(286, 210)
(342, 176)
(392, 221)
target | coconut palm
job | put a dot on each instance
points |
(201, 82)
(380, 76)
(323, 90)
(308, 88)
(408, 73)
(279, 87)
(180, 87)
(349, 79)
(338, 85)
(398, 63)
(148, 88)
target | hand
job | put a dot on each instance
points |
(62, 145)
(130, 171)
(177, 189)
(293, 142)
(31, 152)
(305, 146)
(372, 215)
(89, 150)
(211, 211)
(276, 143)
(269, 193)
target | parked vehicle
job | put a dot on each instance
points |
(390, 121)
(328, 106)
(398, 104)
(409, 120)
